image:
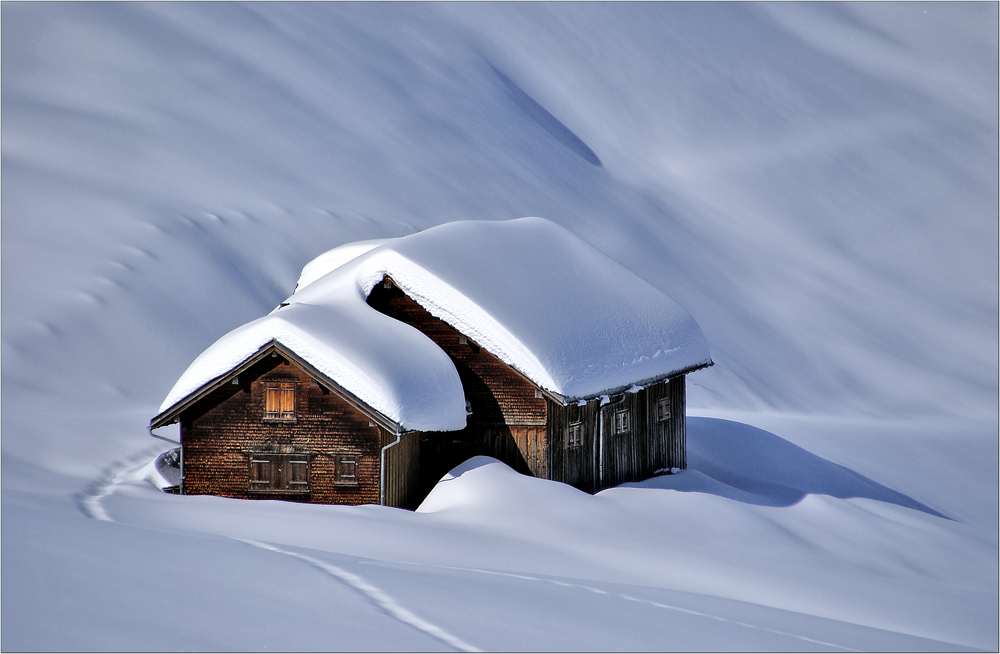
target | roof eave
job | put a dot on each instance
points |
(172, 414)
(617, 390)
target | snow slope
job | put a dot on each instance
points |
(816, 184)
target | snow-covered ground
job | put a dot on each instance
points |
(815, 183)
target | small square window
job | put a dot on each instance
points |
(538, 393)
(279, 402)
(622, 421)
(462, 340)
(663, 409)
(574, 435)
(347, 470)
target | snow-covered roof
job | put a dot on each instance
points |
(563, 314)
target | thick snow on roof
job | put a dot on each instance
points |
(335, 258)
(389, 365)
(562, 313)
(566, 316)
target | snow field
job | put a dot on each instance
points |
(816, 184)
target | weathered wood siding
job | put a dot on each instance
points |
(605, 458)
(402, 470)
(508, 421)
(574, 464)
(677, 434)
(220, 433)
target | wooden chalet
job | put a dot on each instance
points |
(278, 425)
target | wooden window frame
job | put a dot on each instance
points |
(663, 409)
(343, 463)
(278, 473)
(279, 402)
(622, 422)
(574, 434)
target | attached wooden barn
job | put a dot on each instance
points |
(270, 411)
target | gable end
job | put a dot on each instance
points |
(172, 414)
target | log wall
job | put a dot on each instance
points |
(220, 433)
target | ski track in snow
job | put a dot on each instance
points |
(377, 596)
(651, 603)
(114, 476)
(90, 502)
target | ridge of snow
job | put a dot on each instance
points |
(335, 258)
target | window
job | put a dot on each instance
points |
(574, 435)
(279, 473)
(621, 421)
(663, 409)
(279, 402)
(347, 470)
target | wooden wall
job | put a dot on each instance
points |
(220, 431)
(677, 434)
(574, 465)
(402, 470)
(604, 458)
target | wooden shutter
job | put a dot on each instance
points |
(621, 421)
(663, 409)
(279, 402)
(262, 472)
(272, 403)
(298, 472)
(287, 401)
(573, 438)
(347, 469)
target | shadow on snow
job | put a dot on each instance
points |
(747, 464)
